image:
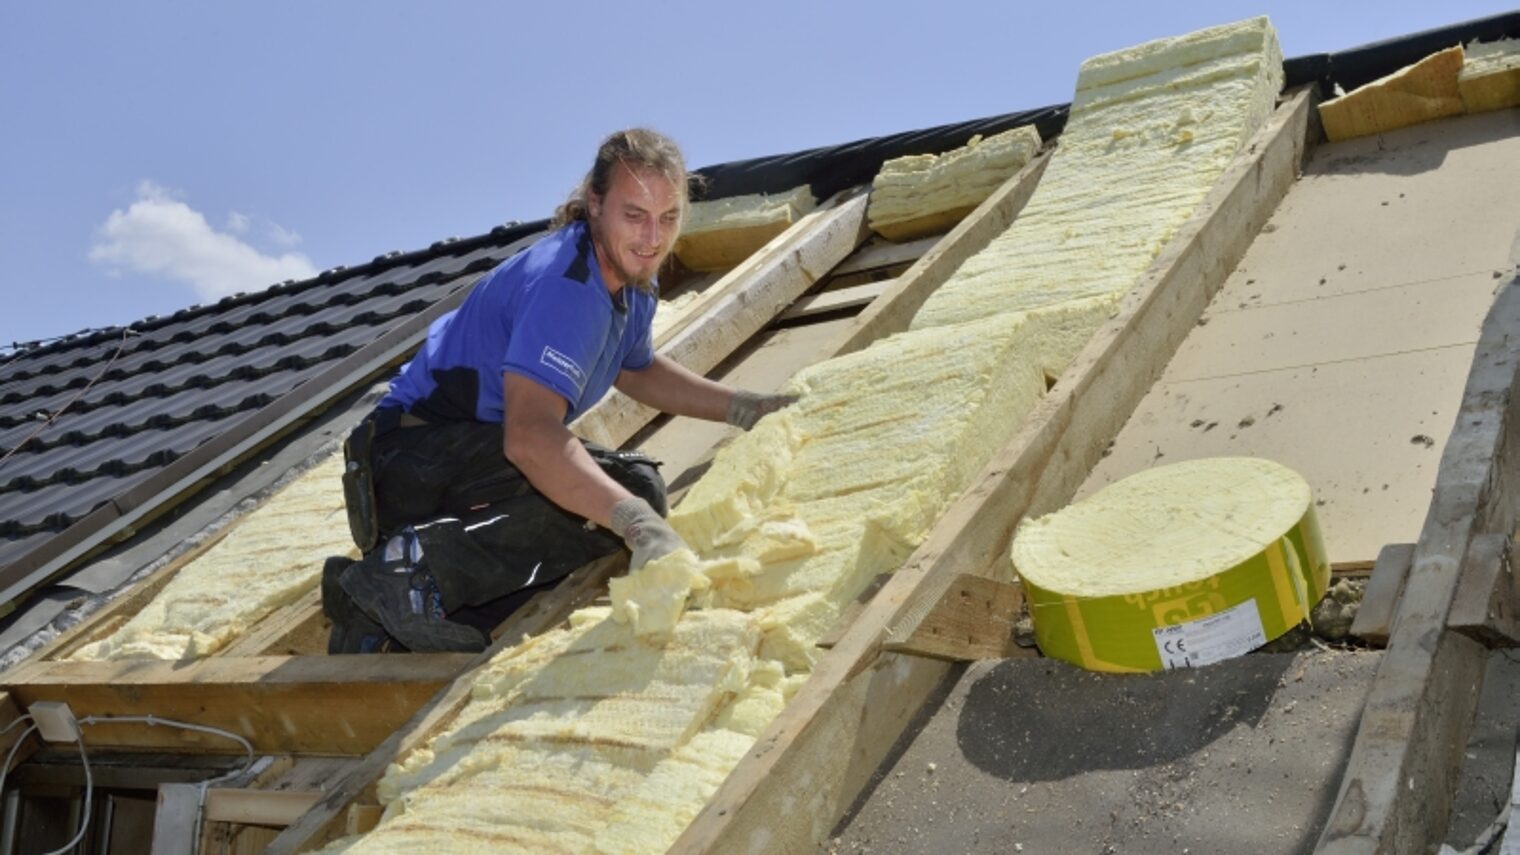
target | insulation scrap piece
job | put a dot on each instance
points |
(1414, 94)
(1490, 76)
(723, 232)
(926, 194)
(1151, 130)
(652, 599)
(270, 559)
(1175, 566)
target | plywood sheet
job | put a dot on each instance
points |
(1341, 344)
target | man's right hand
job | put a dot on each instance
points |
(646, 533)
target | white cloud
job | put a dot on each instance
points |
(160, 234)
(280, 235)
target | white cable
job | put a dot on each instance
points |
(6, 769)
(89, 791)
(152, 720)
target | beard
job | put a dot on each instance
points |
(614, 259)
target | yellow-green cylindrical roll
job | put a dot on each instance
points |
(1176, 566)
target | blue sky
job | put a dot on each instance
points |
(156, 155)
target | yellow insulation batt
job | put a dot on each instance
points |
(925, 194)
(1490, 77)
(1417, 93)
(797, 515)
(1176, 566)
(1151, 129)
(271, 558)
(719, 234)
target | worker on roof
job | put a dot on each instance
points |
(466, 490)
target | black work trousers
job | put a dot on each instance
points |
(489, 537)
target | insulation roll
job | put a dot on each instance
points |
(1176, 566)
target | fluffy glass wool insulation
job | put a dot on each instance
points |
(1151, 129)
(270, 559)
(1480, 58)
(750, 210)
(1162, 527)
(923, 184)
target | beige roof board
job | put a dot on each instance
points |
(1341, 343)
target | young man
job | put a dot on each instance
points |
(465, 487)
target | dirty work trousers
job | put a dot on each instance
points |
(488, 537)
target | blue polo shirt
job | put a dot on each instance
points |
(544, 314)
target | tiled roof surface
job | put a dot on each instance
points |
(129, 402)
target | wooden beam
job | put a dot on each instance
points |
(1395, 795)
(282, 704)
(835, 300)
(809, 765)
(974, 620)
(1380, 601)
(744, 302)
(892, 312)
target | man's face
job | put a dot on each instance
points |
(634, 226)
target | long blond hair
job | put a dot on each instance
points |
(636, 148)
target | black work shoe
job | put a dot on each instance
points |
(352, 630)
(405, 601)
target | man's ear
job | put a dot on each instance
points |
(593, 204)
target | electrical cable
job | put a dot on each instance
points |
(6, 769)
(153, 720)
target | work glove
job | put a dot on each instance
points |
(746, 408)
(646, 533)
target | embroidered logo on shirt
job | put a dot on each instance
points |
(564, 365)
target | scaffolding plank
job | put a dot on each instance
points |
(1396, 793)
(835, 731)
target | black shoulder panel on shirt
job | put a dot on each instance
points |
(580, 267)
(453, 399)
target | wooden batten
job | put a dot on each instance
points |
(974, 620)
(814, 759)
(1396, 794)
(740, 305)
